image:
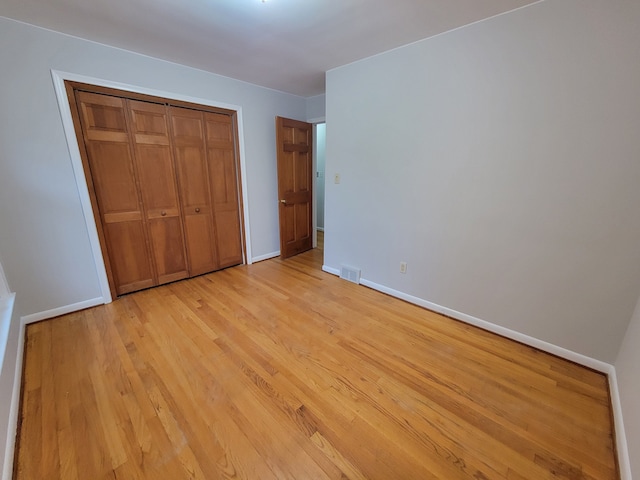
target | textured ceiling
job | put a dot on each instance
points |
(286, 45)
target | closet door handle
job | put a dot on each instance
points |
(163, 213)
(198, 210)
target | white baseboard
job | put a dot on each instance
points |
(621, 441)
(333, 271)
(12, 424)
(56, 312)
(267, 256)
(6, 315)
(624, 461)
(492, 327)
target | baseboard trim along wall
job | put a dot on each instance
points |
(6, 314)
(491, 327)
(624, 462)
(332, 271)
(12, 424)
(56, 312)
(266, 256)
(608, 369)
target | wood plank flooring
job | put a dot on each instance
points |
(280, 371)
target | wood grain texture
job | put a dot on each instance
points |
(165, 186)
(294, 141)
(280, 371)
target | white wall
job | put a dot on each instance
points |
(43, 238)
(627, 367)
(315, 108)
(502, 162)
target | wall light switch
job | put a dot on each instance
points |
(336, 178)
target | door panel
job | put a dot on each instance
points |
(189, 145)
(229, 239)
(294, 148)
(129, 260)
(287, 227)
(156, 174)
(115, 183)
(103, 117)
(104, 127)
(302, 219)
(200, 243)
(224, 181)
(166, 240)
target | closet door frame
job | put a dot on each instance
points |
(65, 85)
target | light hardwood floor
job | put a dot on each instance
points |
(280, 371)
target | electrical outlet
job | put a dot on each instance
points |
(403, 267)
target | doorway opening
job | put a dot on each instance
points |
(320, 143)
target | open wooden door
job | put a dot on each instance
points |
(295, 179)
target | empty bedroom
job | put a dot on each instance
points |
(196, 282)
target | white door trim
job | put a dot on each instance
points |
(78, 170)
(314, 209)
(4, 285)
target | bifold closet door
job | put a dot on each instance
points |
(223, 179)
(166, 188)
(112, 169)
(156, 174)
(193, 179)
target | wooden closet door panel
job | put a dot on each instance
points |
(154, 161)
(129, 258)
(200, 244)
(113, 178)
(189, 145)
(222, 173)
(103, 117)
(167, 242)
(104, 127)
(223, 179)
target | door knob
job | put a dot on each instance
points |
(283, 202)
(197, 210)
(163, 213)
